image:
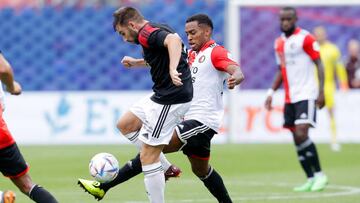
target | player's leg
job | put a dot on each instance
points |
(305, 118)
(34, 191)
(130, 124)
(330, 104)
(153, 172)
(290, 117)
(157, 132)
(14, 166)
(211, 179)
(194, 138)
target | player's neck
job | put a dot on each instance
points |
(289, 32)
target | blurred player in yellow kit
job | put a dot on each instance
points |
(331, 58)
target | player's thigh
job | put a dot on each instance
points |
(196, 138)
(305, 112)
(128, 123)
(12, 163)
(174, 144)
(289, 116)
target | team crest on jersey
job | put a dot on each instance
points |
(202, 59)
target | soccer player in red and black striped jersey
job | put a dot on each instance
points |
(297, 54)
(158, 114)
(12, 163)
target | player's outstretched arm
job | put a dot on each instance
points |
(236, 76)
(174, 45)
(276, 84)
(7, 77)
(130, 62)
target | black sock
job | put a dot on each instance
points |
(129, 170)
(303, 158)
(312, 155)
(40, 195)
(215, 185)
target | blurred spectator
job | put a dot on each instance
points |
(353, 63)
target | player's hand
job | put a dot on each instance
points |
(231, 82)
(175, 77)
(15, 89)
(320, 101)
(128, 61)
(268, 103)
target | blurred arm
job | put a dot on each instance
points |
(6, 74)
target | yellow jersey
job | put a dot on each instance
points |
(331, 59)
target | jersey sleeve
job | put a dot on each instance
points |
(311, 47)
(157, 38)
(221, 58)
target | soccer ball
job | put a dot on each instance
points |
(104, 167)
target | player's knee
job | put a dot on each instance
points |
(24, 184)
(200, 171)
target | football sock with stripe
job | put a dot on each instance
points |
(215, 185)
(130, 169)
(133, 137)
(313, 156)
(154, 180)
(303, 157)
(40, 195)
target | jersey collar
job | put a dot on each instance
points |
(207, 44)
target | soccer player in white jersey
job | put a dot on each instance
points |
(211, 66)
(297, 54)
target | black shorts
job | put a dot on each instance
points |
(302, 112)
(12, 163)
(196, 138)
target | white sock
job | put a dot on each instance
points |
(320, 173)
(164, 162)
(154, 180)
(133, 137)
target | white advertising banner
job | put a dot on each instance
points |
(91, 117)
(252, 123)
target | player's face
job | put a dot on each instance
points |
(126, 33)
(287, 20)
(197, 35)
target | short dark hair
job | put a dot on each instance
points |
(289, 8)
(201, 19)
(123, 15)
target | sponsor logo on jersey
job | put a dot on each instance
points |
(202, 59)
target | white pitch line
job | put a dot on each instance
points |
(344, 191)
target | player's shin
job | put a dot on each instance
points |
(131, 169)
(215, 185)
(154, 182)
(40, 195)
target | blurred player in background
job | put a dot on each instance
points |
(296, 53)
(158, 114)
(12, 163)
(331, 59)
(7, 196)
(210, 67)
(353, 63)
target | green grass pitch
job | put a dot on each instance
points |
(252, 173)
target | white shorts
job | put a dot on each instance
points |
(159, 120)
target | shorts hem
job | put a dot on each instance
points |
(20, 174)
